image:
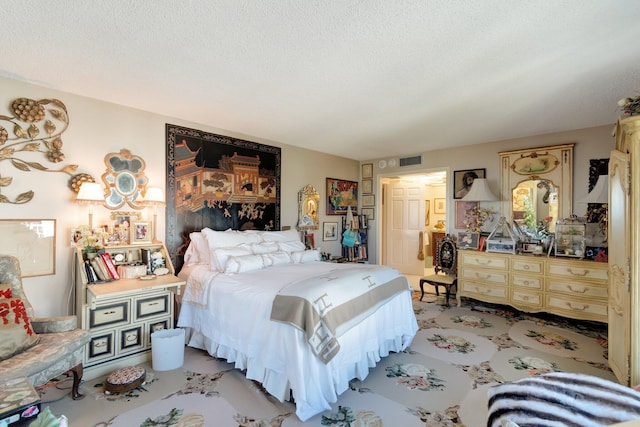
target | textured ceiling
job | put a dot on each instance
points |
(360, 79)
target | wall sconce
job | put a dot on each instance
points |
(90, 193)
(479, 192)
(154, 197)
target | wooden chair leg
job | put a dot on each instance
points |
(421, 289)
(77, 372)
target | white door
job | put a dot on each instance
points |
(619, 264)
(404, 217)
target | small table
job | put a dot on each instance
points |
(19, 402)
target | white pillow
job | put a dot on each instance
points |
(220, 256)
(305, 256)
(225, 239)
(198, 250)
(281, 236)
(264, 248)
(291, 246)
(279, 258)
(240, 264)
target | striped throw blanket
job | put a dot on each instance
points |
(562, 400)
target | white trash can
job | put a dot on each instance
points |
(167, 349)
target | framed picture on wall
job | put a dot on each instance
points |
(369, 213)
(440, 206)
(367, 186)
(463, 179)
(329, 231)
(461, 214)
(367, 170)
(369, 200)
(341, 194)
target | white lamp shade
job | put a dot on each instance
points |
(90, 193)
(154, 196)
(600, 192)
(480, 192)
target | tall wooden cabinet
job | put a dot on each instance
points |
(122, 314)
(624, 255)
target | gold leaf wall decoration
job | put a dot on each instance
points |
(30, 120)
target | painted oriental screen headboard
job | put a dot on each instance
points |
(218, 182)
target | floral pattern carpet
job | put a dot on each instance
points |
(441, 380)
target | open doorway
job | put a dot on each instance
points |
(412, 206)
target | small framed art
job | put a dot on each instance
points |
(368, 200)
(367, 186)
(440, 206)
(140, 232)
(329, 231)
(463, 179)
(464, 214)
(468, 240)
(367, 170)
(368, 212)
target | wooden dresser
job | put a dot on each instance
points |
(566, 287)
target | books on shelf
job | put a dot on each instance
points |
(110, 265)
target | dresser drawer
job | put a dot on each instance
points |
(102, 346)
(579, 270)
(481, 291)
(527, 265)
(577, 308)
(524, 281)
(151, 306)
(488, 276)
(530, 299)
(485, 261)
(111, 314)
(575, 288)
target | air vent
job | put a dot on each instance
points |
(409, 161)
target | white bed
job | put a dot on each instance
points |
(230, 315)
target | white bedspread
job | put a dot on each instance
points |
(230, 318)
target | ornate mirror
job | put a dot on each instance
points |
(308, 204)
(124, 180)
(537, 187)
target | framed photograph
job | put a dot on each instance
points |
(367, 170)
(329, 231)
(33, 242)
(463, 179)
(309, 241)
(368, 212)
(367, 186)
(369, 200)
(140, 232)
(341, 195)
(468, 240)
(461, 214)
(440, 206)
(427, 212)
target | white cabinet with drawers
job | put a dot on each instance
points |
(566, 287)
(122, 314)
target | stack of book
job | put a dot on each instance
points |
(101, 268)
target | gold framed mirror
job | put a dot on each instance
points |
(308, 206)
(537, 187)
(124, 179)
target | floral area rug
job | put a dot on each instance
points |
(441, 380)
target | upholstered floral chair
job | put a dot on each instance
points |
(37, 348)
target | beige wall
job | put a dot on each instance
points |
(590, 143)
(97, 128)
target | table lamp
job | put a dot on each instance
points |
(90, 193)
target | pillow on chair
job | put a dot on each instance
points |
(15, 327)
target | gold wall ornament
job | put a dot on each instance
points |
(36, 126)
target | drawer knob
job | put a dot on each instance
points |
(109, 312)
(483, 276)
(483, 262)
(526, 267)
(575, 273)
(526, 282)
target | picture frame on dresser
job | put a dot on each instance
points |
(140, 232)
(468, 240)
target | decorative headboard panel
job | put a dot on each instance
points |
(218, 182)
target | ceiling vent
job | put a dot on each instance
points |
(409, 161)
